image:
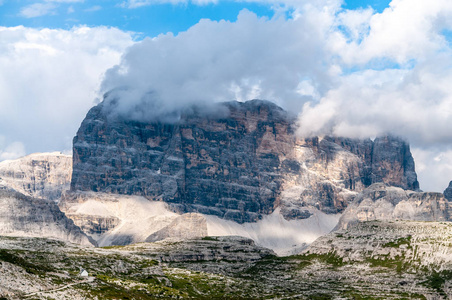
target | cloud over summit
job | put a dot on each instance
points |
(355, 73)
(221, 61)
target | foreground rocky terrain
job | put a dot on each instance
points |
(369, 260)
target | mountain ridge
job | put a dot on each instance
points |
(238, 166)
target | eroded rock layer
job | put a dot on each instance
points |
(39, 175)
(21, 215)
(383, 202)
(240, 163)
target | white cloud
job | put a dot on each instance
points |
(10, 150)
(46, 7)
(402, 85)
(38, 10)
(434, 167)
(221, 61)
(48, 81)
(141, 3)
(356, 73)
(407, 30)
(93, 8)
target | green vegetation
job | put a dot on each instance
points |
(436, 280)
(399, 264)
(16, 259)
(331, 259)
(399, 242)
(209, 238)
(114, 247)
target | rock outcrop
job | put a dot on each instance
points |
(386, 203)
(187, 226)
(240, 163)
(448, 192)
(39, 175)
(415, 244)
(21, 215)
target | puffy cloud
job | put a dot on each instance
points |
(434, 167)
(406, 30)
(416, 104)
(48, 81)
(47, 7)
(221, 61)
(355, 73)
(396, 74)
(10, 150)
(38, 10)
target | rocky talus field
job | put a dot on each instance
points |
(370, 260)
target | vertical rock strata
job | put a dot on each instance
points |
(239, 163)
(39, 175)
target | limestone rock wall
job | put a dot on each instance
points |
(39, 175)
(239, 163)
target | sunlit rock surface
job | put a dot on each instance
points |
(39, 175)
(417, 243)
(383, 202)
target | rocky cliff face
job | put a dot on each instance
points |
(383, 202)
(39, 175)
(21, 215)
(240, 163)
(448, 192)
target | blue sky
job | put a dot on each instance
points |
(149, 20)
